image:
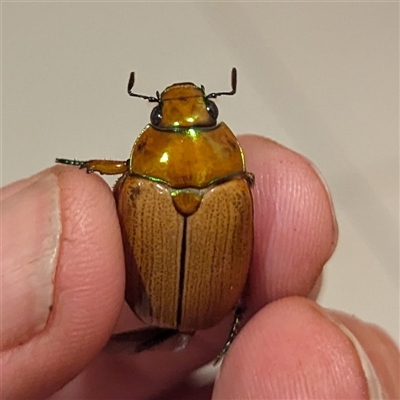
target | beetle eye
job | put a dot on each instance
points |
(212, 108)
(156, 115)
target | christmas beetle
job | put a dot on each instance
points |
(186, 215)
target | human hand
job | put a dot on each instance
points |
(62, 223)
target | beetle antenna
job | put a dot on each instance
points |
(131, 82)
(233, 84)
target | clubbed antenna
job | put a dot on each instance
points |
(233, 84)
(149, 98)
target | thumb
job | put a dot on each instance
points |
(62, 279)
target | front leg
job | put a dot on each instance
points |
(104, 167)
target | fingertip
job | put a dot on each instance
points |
(290, 349)
(90, 270)
(294, 221)
(88, 290)
(380, 353)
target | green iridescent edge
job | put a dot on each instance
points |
(175, 191)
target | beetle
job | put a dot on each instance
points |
(186, 215)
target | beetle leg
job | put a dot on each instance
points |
(139, 340)
(104, 167)
(250, 178)
(237, 320)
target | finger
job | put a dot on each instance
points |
(145, 375)
(62, 279)
(189, 390)
(295, 349)
(294, 222)
(15, 187)
(379, 350)
(291, 206)
(80, 389)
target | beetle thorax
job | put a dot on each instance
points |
(183, 105)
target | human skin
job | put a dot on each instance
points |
(289, 346)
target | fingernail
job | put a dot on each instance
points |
(375, 389)
(30, 236)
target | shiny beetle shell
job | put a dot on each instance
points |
(186, 216)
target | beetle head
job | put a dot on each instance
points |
(184, 105)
